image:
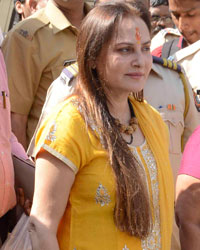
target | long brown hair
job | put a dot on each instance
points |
(132, 211)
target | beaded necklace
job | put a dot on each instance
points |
(133, 124)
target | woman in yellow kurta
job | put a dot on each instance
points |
(103, 179)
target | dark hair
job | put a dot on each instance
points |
(132, 211)
(22, 1)
(144, 12)
(155, 3)
(138, 4)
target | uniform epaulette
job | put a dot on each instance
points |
(70, 72)
(28, 27)
(167, 64)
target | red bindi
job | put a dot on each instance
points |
(137, 35)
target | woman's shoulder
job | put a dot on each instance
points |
(68, 110)
(64, 117)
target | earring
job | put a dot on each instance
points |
(139, 96)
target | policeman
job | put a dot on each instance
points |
(185, 50)
(168, 91)
(35, 52)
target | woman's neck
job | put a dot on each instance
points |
(119, 108)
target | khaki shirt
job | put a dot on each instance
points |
(164, 90)
(164, 36)
(189, 59)
(35, 52)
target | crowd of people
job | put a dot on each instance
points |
(104, 100)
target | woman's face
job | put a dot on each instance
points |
(124, 64)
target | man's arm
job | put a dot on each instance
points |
(21, 54)
(188, 195)
(187, 211)
(19, 124)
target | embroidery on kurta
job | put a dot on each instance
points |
(51, 135)
(125, 248)
(91, 123)
(153, 241)
(102, 196)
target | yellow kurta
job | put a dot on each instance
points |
(88, 220)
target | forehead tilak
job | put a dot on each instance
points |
(137, 35)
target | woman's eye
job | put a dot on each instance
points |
(147, 48)
(190, 15)
(124, 50)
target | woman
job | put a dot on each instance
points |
(103, 179)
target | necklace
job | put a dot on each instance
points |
(133, 124)
(129, 143)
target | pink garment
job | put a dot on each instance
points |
(7, 192)
(190, 164)
(16, 148)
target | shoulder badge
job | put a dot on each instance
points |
(25, 34)
(167, 63)
(29, 26)
(69, 73)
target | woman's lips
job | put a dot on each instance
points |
(135, 75)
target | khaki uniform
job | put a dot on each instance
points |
(164, 90)
(35, 52)
(164, 36)
(189, 59)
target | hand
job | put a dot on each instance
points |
(26, 204)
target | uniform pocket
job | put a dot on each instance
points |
(175, 122)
